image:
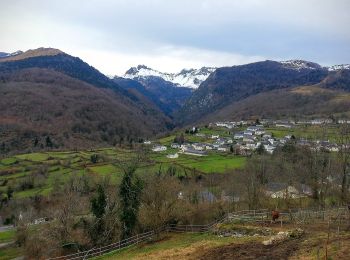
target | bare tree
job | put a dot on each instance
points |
(160, 201)
(344, 160)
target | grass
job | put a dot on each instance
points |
(215, 163)
(62, 165)
(35, 157)
(112, 171)
(32, 192)
(10, 253)
(7, 236)
(104, 169)
(171, 246)
(308, 132)
(13, 176)
(167, 140)
(8, 161)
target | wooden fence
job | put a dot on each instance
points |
(297, 216)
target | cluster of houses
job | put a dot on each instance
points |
(245, 142)
(285, 123)
(242, 143)
(319, 145)
(254, 137)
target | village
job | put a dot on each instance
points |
(245, 137)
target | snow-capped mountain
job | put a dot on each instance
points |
(300, 64)
(190, 78)
(4, 54)
(339, 67)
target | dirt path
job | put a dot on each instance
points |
(252, 251)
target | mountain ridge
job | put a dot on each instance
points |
(64, 98)
(228, 85)
(190, 78)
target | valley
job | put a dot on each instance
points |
(148, 129)
(153, 149)
(215, 180)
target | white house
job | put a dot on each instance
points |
(215, 136)
(175, 145)
(283, 191)
(147, 142)
(229, 141)
(173, 156)
(159, 148)
(220, 141)
(260, 132)
(266, 135)
(247, 132)
(223, 149)
(239, 135)
(272, 141)
(333, 148)
(198, 146)
(209, 147)
(248, 139)
(250, 146)
(269, 148)
(194, 152)
(285, 125)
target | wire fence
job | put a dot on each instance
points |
(262, 215)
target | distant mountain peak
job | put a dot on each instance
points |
(19, 55)
(339, 67)
(5, 54)
(190, 78)
(300, 64)
(139, 67)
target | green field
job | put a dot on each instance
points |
(8, 161)
(10, 253)
(312, 132)
(7, 236)
(60, 166)
(216, 163)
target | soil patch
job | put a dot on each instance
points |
(252, 251)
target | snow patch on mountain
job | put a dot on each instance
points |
(300, 64)
(339, 67)
(5, 55)
(190, 78)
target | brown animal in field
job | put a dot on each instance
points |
(275, 215)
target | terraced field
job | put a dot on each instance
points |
(54, 168)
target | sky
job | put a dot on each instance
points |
(169, 35)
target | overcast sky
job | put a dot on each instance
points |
(169, 35)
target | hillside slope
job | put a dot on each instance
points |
(71, 102)
(232, 84)
(296, 102)
(168, 97)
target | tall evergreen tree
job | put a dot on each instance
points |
(99, 203)
(130, 195)
(98, 209)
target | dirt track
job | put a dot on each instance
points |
(252, 251)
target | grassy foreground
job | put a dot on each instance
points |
(311, 245)
(174, 246)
